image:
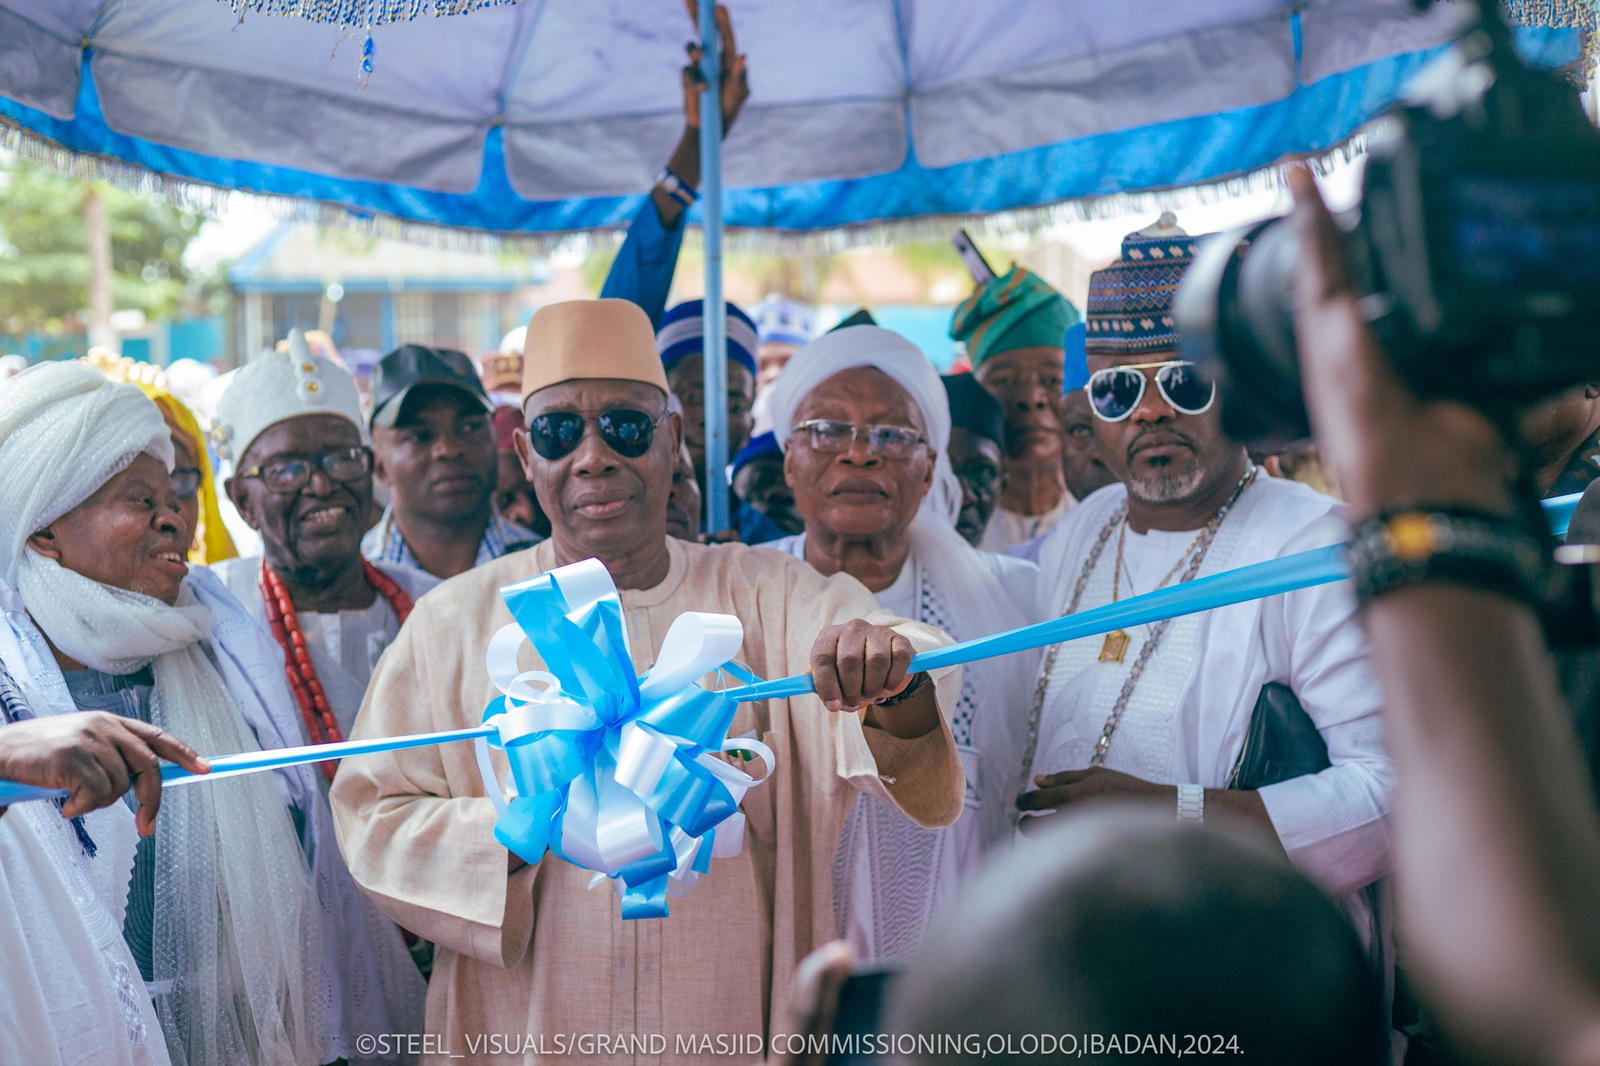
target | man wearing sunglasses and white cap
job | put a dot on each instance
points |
(529, 949)
(1182, 711)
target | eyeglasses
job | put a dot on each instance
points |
(185, 482)
(284, 476)
(1115, 392)
(892, 442)
(627, 432)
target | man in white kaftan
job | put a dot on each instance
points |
(1163, 710)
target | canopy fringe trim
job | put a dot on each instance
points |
(360, 14)
(212, 200)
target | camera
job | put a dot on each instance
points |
(1475, 250)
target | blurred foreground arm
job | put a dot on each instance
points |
(1497, 838)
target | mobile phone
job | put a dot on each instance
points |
(977, 265)
(858, 1016)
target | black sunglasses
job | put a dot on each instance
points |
(627, 432)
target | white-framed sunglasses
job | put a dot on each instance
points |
(1115, 392)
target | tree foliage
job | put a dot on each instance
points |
(44, 262)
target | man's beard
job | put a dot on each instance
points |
(1169, 483)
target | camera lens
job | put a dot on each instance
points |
(1234, 312)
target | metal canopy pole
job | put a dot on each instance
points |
(716, 322)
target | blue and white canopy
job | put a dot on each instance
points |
(554, 115)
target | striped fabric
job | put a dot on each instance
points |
(385, 544)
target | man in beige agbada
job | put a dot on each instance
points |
(528, 957)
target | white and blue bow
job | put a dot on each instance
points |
(616, 773)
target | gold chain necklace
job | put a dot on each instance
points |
(1115, 645)
(1195, 555)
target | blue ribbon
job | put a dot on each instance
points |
(249, 762)
(1318, 566)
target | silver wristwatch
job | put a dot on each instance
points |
(1191, 803)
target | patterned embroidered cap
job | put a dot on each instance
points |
(501, 372)
(277, 386)
(781, 320)
(1130, 301)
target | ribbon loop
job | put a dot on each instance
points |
(615, 773)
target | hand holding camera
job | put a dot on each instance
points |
(1388, 447)
(1471, 257)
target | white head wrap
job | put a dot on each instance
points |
(236, 923)
(277, 386)
(65, 430)
(885, 350)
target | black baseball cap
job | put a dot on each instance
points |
(411, 365)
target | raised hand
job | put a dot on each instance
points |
(735, 75)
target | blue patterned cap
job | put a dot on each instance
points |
(784, 321)
(683, 331)
(1130, 301)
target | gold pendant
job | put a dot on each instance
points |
(1115, 647)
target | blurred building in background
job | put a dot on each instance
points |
(372, 293)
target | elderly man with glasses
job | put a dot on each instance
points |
(1266, 711)
(303, 481)
(865, 426)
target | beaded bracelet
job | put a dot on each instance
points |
(1451, 544)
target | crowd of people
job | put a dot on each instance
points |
(1189, 828)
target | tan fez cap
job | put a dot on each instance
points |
(590, 339)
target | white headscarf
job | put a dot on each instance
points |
(236, 923)
(65, 431)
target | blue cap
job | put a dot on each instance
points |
(784, 321)
(757, 446)
(682, 334)
(1075, 369)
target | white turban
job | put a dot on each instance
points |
(885, 350)
(65, 430)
